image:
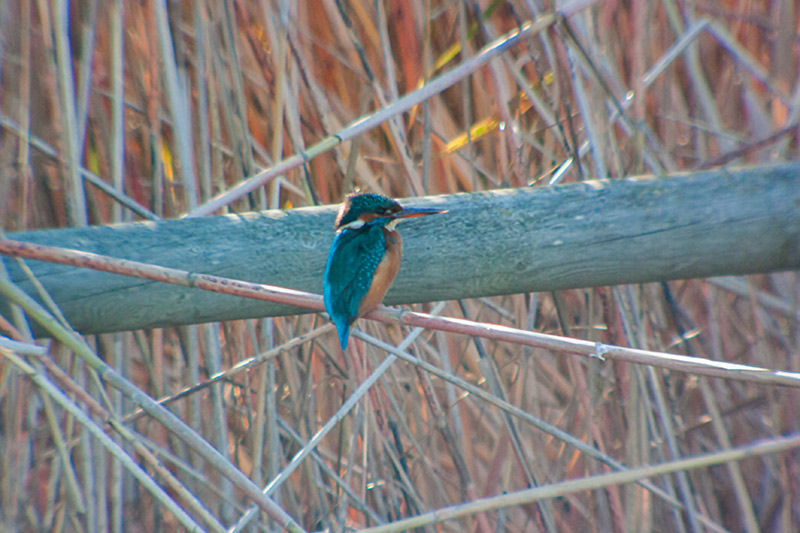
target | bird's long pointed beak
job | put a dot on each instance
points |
(412, 212)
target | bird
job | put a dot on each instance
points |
(364, 257)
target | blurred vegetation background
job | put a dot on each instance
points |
(123, 111)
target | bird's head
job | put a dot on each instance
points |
(364, 208)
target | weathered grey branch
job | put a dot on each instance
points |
(500, 242)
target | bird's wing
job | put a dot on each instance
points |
(352, 261)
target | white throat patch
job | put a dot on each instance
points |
(391, 225)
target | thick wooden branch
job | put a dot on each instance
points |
(500, 242)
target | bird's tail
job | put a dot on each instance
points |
(343, 328)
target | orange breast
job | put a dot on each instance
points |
(384, 274)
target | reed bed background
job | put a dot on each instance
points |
(122, 111)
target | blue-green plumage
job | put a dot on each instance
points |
(352, 261)
(365, 238)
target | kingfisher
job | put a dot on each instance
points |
(364, 257)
